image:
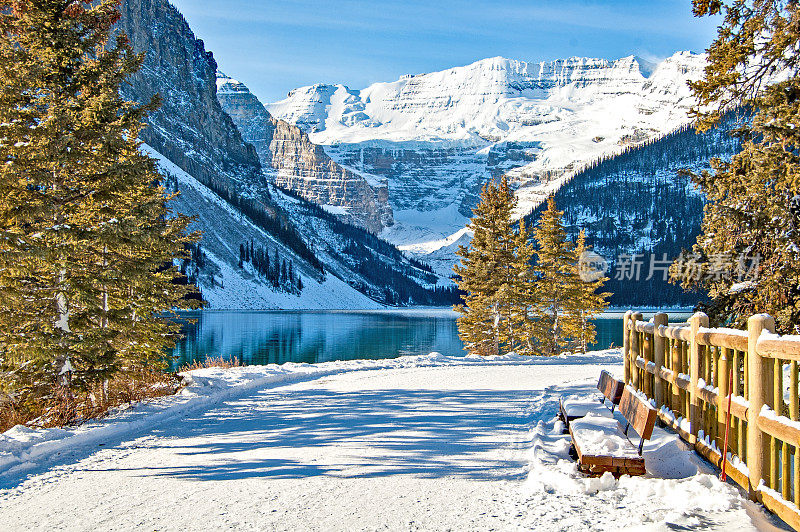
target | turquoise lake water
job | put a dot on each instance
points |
(267, 337)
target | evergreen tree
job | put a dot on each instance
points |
(551, 323)
(87, 243)
(276, 269)
(583, 301)
(523, 294)
(748, 253)
(486, 274)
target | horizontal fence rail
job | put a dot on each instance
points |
(692, 372)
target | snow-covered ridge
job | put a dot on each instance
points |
(224, 228)
(291, 161)
(437, 137)
(228, 85)
(493, 97)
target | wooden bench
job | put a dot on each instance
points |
(610, 388)
(601, 444)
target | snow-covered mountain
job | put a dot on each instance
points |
(294, 163)
(234, 287)
(223, 185)
(639, 204)
(438, 137)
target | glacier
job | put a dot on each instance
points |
(437, 137)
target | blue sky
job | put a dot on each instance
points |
(274, 46)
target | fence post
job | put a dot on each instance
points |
(699, 319)
(676, 370)
(626, 346)
(636, 349)
(647, 355)
(659, 343)
(723, 380)
(759, 386)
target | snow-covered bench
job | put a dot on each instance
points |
(609, 387)
(601, 444)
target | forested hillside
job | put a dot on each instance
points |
(640, 203)
(373, 266)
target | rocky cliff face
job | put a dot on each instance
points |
(190, 127)
(301, 166)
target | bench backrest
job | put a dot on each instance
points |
(610, 387)
(639, 413)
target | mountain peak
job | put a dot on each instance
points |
(228, 85)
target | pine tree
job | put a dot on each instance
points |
(87, 243)
(523, 294)
(551, 324)
(583, 301)
(748, 253)
(486, 274)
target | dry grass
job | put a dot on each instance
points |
(213, 362)
(11, 415)
(68, 408)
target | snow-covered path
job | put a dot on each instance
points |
(452, 446)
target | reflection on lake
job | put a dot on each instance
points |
(279, 337)
(317, 336)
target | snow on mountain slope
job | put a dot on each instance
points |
(224, 228)
(496, 99)
(438, 137)
(296, 164)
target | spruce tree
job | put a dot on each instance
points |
(747, 256)
(551, 324)
(87, 242)
(524, 293)
(486, 274)
(583, 301)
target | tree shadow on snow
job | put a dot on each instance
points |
(365, 434)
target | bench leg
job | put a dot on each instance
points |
(573, 454)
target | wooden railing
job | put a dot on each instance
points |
(685, 370)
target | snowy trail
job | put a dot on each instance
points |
(455, 446)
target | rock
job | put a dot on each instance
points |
(190, 128)
(300, 165)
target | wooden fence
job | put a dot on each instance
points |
(685, 369)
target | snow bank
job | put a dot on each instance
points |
(679, 491)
